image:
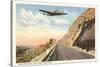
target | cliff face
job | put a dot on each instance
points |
(82, 31)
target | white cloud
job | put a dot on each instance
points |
(36, 25)
(60, 21)
(30, 19)
(23, 13)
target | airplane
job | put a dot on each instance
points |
(52, 13)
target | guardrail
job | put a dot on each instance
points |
(41, 57)
(47, 58)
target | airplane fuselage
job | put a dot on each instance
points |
(53, 13)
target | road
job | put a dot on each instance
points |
(63, 52)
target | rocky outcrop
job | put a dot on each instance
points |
(82, 31)
(27, 54)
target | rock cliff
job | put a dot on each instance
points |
(82, 31)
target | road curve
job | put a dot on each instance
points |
(63, 52)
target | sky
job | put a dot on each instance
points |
(34, 29)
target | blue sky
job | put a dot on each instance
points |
(73, 12)
(30, 19)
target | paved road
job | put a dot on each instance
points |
(63, 52)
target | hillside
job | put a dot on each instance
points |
(24, 54)
(82, 31)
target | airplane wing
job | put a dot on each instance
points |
(44, 11)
